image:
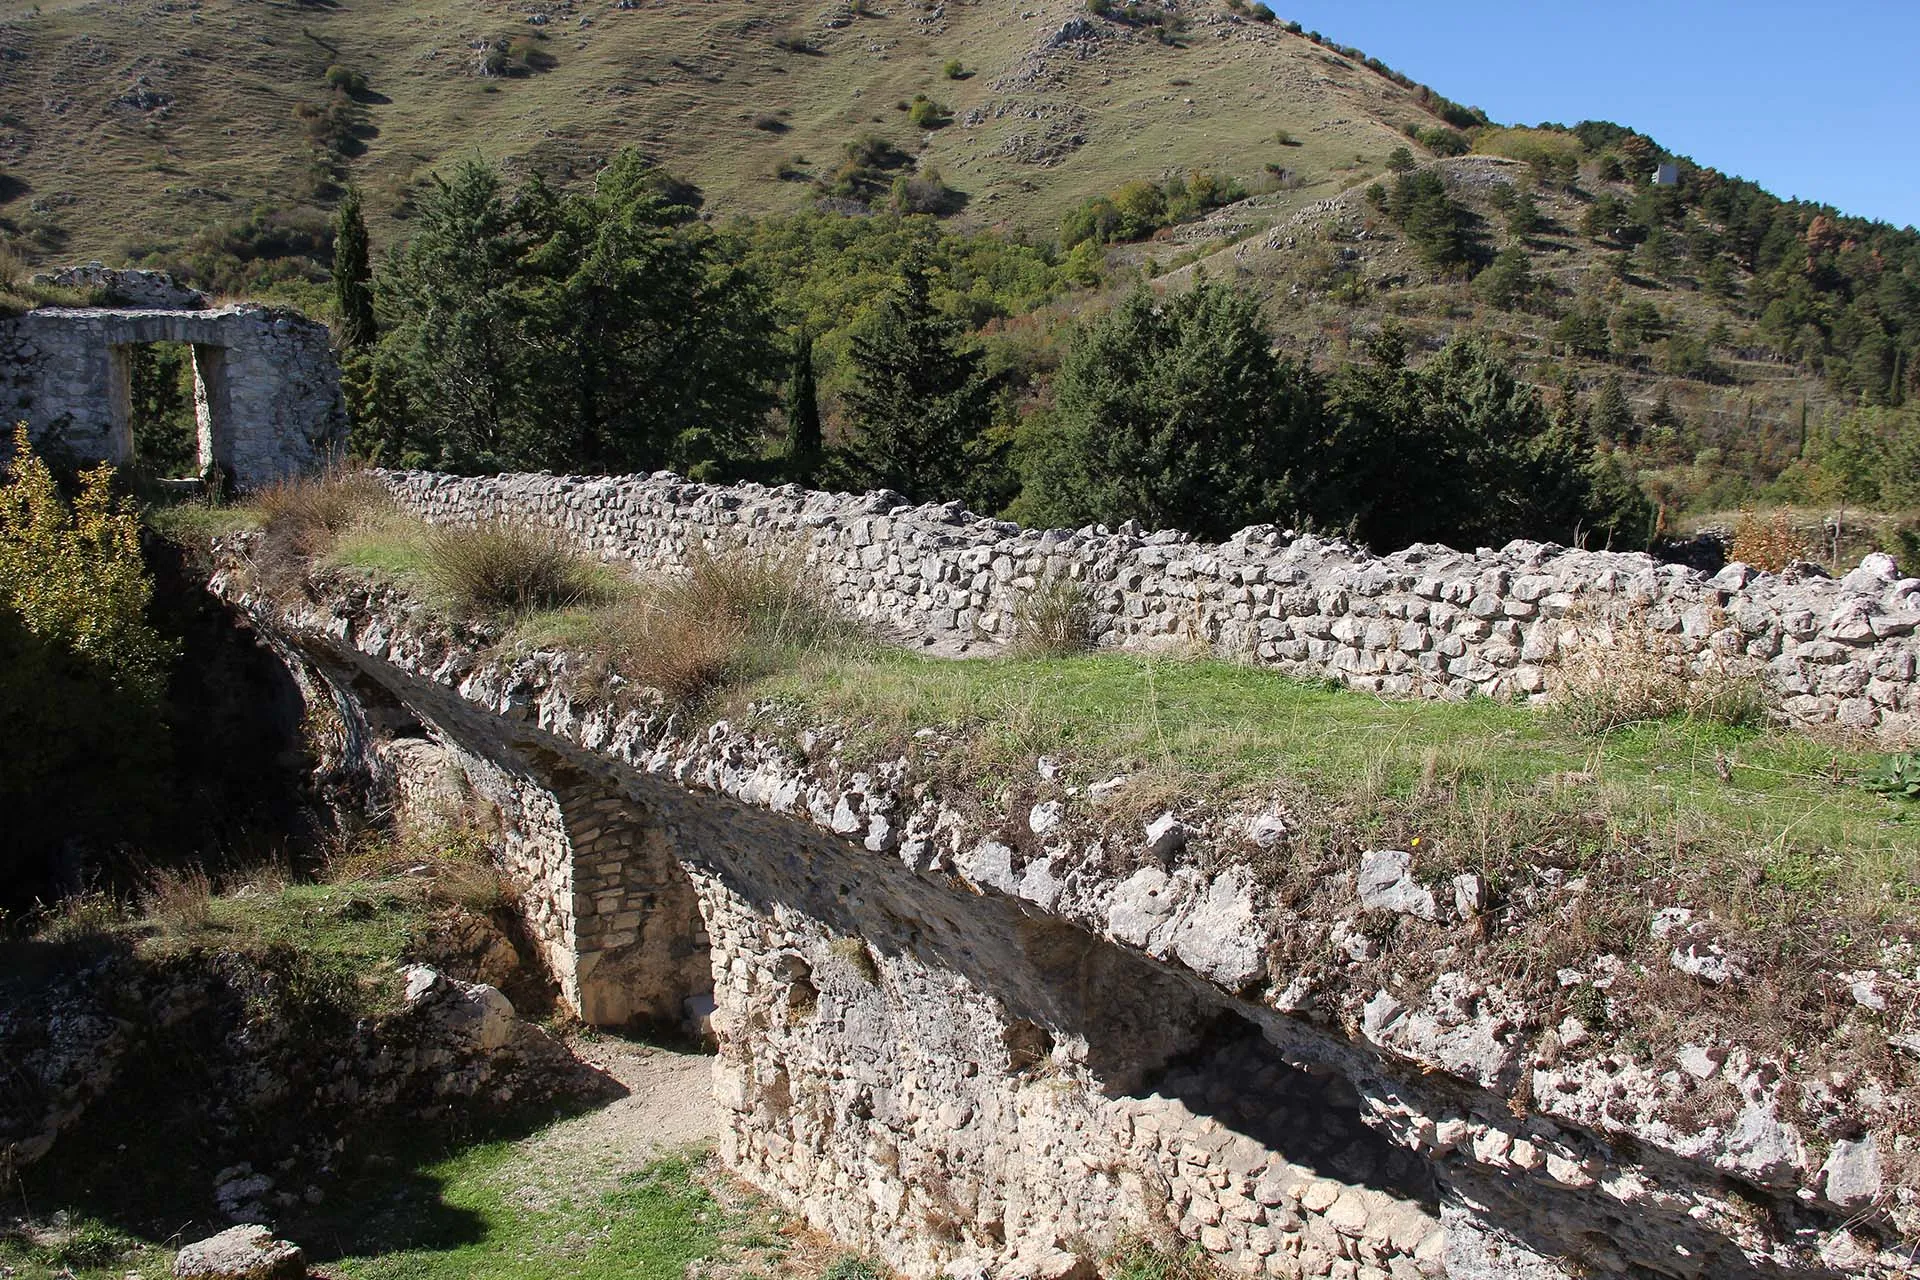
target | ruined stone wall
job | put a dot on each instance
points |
(978, 1059)
(267, 387)
(1427, 621)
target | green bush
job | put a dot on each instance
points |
(954, 70)
(346, 80)
(924, 113)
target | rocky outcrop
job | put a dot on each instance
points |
(973, 1051)
(1428, 621)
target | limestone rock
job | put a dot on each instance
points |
(1851, 1175)
(241, 1253)
(1386, 883)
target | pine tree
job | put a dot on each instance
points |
(803, 414)
(919, 400)
(352, 274)
(1610, 417)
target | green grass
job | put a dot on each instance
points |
(1482, 784)
(195, 524)
(654, 1225)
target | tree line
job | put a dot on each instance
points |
(612, 330)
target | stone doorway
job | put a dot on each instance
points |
(169, 406)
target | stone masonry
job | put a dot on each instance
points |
(1428, 621)
(266, 386)
(976, 1060)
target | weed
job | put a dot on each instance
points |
(1138, 1258)
(857, 956)
(304, 518)
(1896, 776)
(505, 570)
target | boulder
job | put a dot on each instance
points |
(241, 1253)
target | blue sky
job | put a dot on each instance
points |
(1817, 101)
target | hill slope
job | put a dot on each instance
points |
(124, 126)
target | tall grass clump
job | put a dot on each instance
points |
(303, 518)
(502, 570)
(1627, 673)
(1053, 620)
(730, 616)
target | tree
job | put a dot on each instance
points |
(803, 413)
(919, 399)
(1399, 160)
(1434, 222)
(606, 330)
(1172, 412)
(1610, 417)
(352, 274)
(1459, 451)
(1509, 281)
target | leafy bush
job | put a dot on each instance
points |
(924, 113)
(954, 69)
(851, 1266)
(1771, 544)
(346, 80)
(74, 575)
(502, 570)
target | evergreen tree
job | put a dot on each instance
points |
(1610, 417)
(1174, 412)
(352, 274)
(803, 414)
(919, 399)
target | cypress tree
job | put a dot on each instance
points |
(803, 413)
(352, 273)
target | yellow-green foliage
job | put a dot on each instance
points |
(74, 575)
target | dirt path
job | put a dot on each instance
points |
(668, 1106)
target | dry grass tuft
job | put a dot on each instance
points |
(731, 616)
(505, 570)
(309, 515)
(179, 901)
(1053, 620)
(1628, 673)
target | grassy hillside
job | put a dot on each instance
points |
(125, 126)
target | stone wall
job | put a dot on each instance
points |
(1427, 621)
(267, 388)
(981, 1060)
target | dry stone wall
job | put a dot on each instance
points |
(266, 386)
(1427, 621)
(982, 1060)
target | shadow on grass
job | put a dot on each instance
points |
(187, 1104)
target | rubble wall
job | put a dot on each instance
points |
(1428, 621)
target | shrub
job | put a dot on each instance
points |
(954, 70)
(346, 80)
(1261, 13)
(925, 113)
(502, 570)
(302, 519)
(768, 122)
(74, 576)
(851, 1266)
(1053, 620)
(1771, 545)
